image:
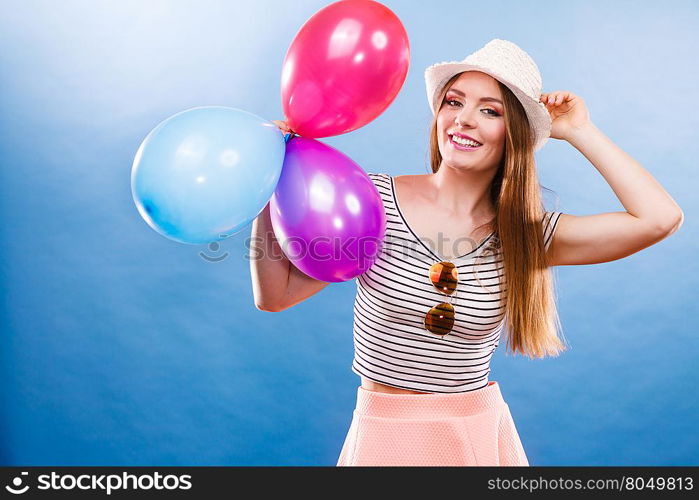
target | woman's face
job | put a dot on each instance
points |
(469, 109)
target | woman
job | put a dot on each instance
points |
(428, 317)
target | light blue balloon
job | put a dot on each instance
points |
(205, 173)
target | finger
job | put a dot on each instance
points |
(566, 96)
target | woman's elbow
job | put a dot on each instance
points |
(268, 307)
(680, 220)
(675, 224)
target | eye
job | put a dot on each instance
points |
(450, 101)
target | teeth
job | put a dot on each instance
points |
(465, 142)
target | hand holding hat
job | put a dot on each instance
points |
(568, 113)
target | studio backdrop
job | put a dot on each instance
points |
(122, 347)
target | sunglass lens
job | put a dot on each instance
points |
(440, 319)
(444, 276)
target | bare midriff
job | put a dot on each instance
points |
(370, 385)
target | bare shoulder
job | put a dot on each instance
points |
(412, 183)
(413, 177)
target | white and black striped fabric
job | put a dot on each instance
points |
(391, 344)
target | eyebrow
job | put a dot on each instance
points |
(482, 99)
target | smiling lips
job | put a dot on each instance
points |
(463, 147)
(464, 136)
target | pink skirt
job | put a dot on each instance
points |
(465, 428)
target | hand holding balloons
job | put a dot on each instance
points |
(284, 127)
(205, 173)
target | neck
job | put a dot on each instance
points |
(463, 192)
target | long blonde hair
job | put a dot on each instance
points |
(531, 315)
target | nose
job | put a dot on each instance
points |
(464, 117)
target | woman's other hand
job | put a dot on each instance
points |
(284, 127)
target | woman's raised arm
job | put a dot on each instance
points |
(651, 213)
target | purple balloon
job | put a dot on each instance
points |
(326, 213)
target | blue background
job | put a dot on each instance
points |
(122, 347)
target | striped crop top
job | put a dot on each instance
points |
(391, 344)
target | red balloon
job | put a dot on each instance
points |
(343, 68)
